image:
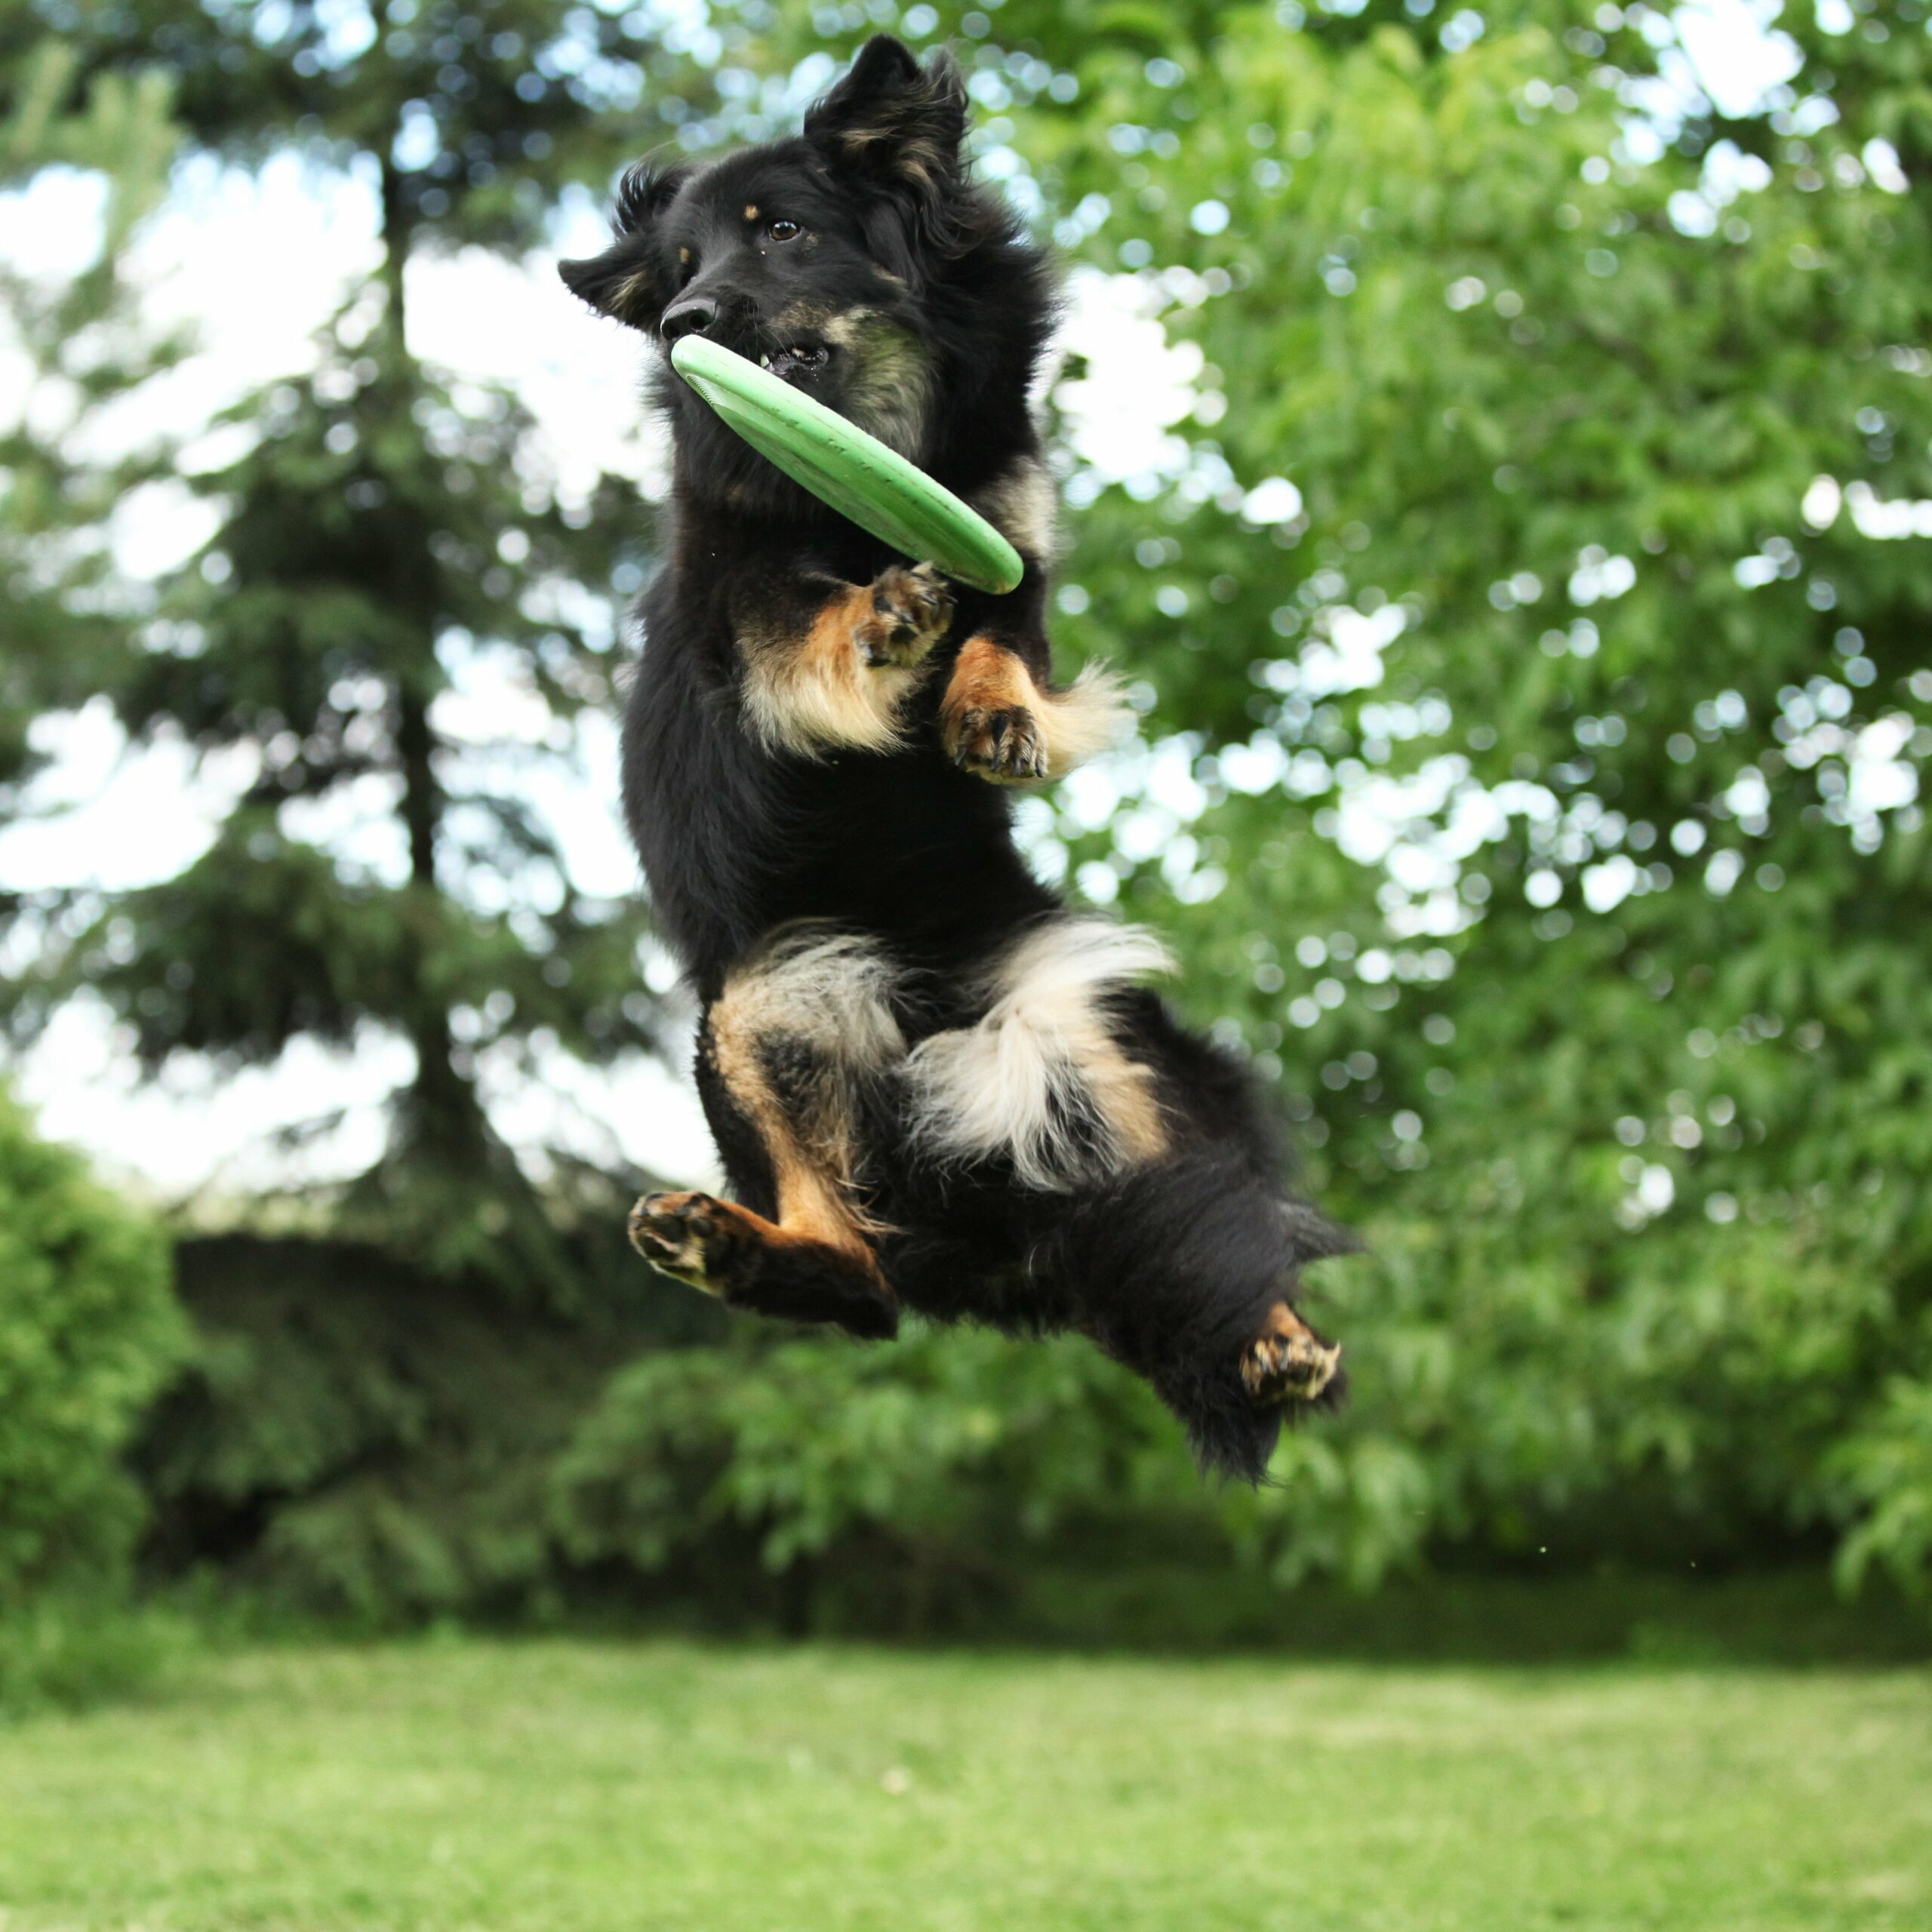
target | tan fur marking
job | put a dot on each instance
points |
(986, 674)
(804, 314)
(633, 292)
(1288, 1360)
(828, 994)
(888, 379)
(1091, 715)
(916, 160)
(888, 384)
(1123, 1089)
(788, 1233)
(816, 693)
(843, 683)
(684, 254)
(750, 211)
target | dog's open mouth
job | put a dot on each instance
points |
(791, 360)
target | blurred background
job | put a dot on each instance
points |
(1495, 444)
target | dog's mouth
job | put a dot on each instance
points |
(792, 361)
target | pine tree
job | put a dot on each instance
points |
(369, 1418)
(385, 538)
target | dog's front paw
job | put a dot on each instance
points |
(1004, 743)
(1291, 1362)
(911, 611)
(689, 1237)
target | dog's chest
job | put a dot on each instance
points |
(737, 842)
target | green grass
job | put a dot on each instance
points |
(578, 1786)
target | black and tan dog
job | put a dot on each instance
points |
(932, 1085)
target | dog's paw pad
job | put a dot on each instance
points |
(1294, 1367)
(678, 1234)
(911, 609)
(1005, 744)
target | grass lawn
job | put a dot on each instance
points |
(579, 1786)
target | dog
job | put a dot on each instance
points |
(934, 1085)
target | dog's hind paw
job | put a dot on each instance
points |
(683, 1235)
(912, 610)
(1291, 1362)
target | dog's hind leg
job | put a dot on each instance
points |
(794, 1269)
(1288, 1362)
(788, 1050)
(1185, 1270)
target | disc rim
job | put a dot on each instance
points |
(843, 465)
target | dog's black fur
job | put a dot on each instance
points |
(818, 747)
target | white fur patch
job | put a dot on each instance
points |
(822, 699)
(1040, 1077)
(1091, 716)
(832, 989)
(1023, 504)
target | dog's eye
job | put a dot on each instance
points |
(784, 231)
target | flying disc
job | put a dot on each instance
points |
(856, 473)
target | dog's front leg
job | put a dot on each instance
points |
(828, 666)
(1001, 716)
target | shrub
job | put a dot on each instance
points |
(89, 1330)
(73, 1648)
(894, 1487)
(1886, 1468)
(358, 1437)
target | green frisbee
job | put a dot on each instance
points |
(856, 473)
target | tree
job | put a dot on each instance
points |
(88, 1328)
(1558, 720)
(1540, 715)
(384, 540)
(367, 1411)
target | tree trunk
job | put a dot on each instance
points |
(447, 1116)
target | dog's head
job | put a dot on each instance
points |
(817, 255)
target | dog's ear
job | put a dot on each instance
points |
(631, 280)
(899, 126)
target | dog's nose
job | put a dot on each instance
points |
(692, 316)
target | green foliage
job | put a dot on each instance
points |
(391, 579)
(1885, 1466)
(82, 350)
(88, 1332)
(1538, 708)
(68, 1650)
(357, 1437)
(476, 115)
(899, 1484)
(381, 554)
(1537, 788)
